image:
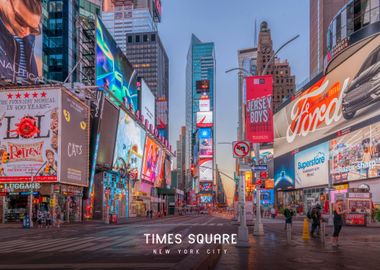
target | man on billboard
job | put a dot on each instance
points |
(19, 25)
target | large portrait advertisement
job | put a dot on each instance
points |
(129, 148)
(20, 40)
(355, 155)
(205, 143)
(284, 171)
(346, 97)
(153, 162)
(205, 170)
(29, 132)
(113, 68)
(74, 141)
(311, 166)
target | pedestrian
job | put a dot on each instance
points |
(48, 219)
(338, 221)
(288, 213)
(151, 213)
(39, 218)
(59, 218)
(316, 220)
(273, 212)
(147, 213)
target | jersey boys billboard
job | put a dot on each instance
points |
(259, 109)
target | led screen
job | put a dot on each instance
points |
(284, 171)
(153, 161)
(204, 119)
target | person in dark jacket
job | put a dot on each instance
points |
(19, 25)
(316, 220)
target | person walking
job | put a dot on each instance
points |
(40, 217)
(58, 218)
(288, 213)
(316, 220)
(151, 213)
(338, 221)
(273, 212)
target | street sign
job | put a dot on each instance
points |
(258, 168)
(240, 149)
(245, 168)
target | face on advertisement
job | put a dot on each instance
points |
(21, 17)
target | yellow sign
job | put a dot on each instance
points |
(83, 125)
(341, 187)
(248, 177)
(269, 184)
(66, 114)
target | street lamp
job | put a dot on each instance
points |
(259, 228)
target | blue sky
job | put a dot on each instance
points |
(230, 25)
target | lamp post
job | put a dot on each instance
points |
(259, 228)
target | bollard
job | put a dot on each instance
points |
(288, 233)
(305, 233)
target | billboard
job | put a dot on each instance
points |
(21, 41)
(148, 103)
(113, 68)
(29, 133)
(202, 86)
(205, 143)
(129, 147)
(205, 170)
(355, 155)
(108, 131)
(168, 173)
(204, 119)
(75, 140)
(204, 104)
(206, 199)
(259, 109)
(284, 171)
(162, 113)
(206, 187)
(346, 97)
(153, 162)
(311, 166)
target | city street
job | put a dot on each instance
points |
(122, 246)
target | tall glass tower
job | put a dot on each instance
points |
(200, 120)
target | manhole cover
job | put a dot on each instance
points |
(307, 260)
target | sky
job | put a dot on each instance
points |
(231, 26)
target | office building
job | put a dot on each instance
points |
(200, 119)
(62, 36)
(321, 14)
(181, 169)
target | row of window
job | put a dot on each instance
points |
(354, 16)
(145, 38)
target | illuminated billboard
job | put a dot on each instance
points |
(162, 113)
(204, 119)
(202, 86)
(205, 170)
(204, 104)
(284, 171)
(205, 143)
(311, 166)
(148, 103)
(153, 161)
(21, 41)
(206, 199)
(129, 147)
(205, 187)
(345, 97)
(113, 68)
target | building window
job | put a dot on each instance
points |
(137, 39)
(129, 39)
(153, 37)
(145, 38)
(56, 6)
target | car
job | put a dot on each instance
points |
(364, 89)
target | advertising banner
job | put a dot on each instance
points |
(29, 132)
(75, 141)
(311, 166)
(355, 155)
(259, 109)
(129, 148)
(206, 199)
(162, 113)
(148, 103)
(202, 86)
(205, 187)
(113, 68)
(168, 173)
(204, 119)
(204, 104)
(205, 170)
(346, 97)
(20, 49)
(205, 143)
(153, 161)
(284, 171)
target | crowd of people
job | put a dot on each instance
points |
(43, 218)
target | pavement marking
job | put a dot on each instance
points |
(131, 265)
(104, 245)
(66, 246)
(220, 224)
(10, 247)
(38, 245)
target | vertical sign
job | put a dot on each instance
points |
(259, 109)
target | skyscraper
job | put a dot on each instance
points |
(122, 17)
(61, 36)
(200, 117)
(321, 14)
(147, 54)
(181, 169)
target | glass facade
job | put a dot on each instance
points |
(354, 16)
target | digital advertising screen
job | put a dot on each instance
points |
(205, 170)
(14, 39)
(204, 104)
(205, 187)
(206, 199)
(204, 119)
(129, 147)
(148, 103)
(202, 86)
(284, 172)
(312, 166)
(205, 143)
(153, 162)
(355, 155)
(113, 68)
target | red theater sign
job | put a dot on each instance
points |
(259, 109)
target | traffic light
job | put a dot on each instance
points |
(5, 158)
(47, 168)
